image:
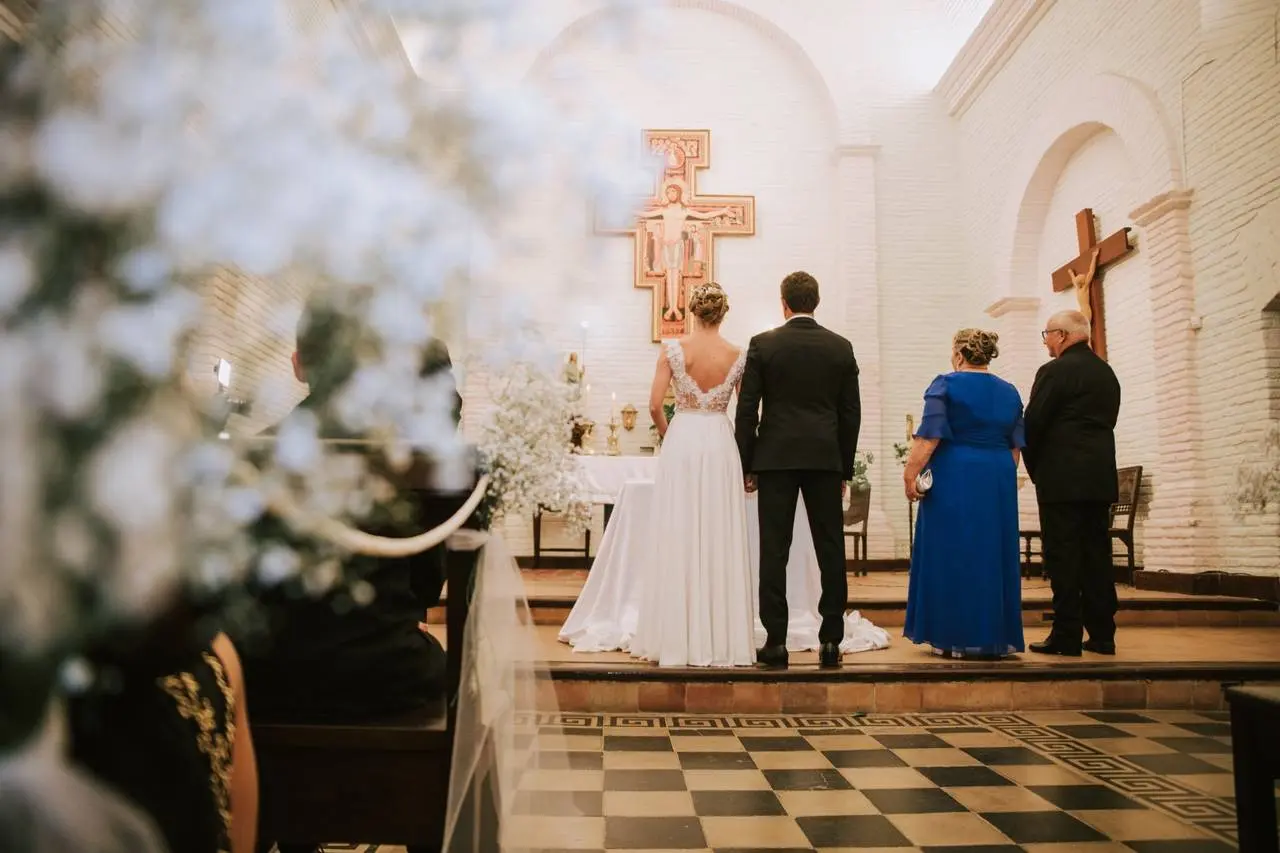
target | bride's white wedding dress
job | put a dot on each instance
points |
(698, 603)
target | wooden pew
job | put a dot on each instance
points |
(385, 782)
(1255, 747)
(1123, 514)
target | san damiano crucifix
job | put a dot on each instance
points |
(675, 228)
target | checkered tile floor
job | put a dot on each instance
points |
(1038, 781)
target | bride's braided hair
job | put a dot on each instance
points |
(709, 303)
(976, 346)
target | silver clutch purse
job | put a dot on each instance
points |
(924, 481)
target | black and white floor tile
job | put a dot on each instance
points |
(1149, 781)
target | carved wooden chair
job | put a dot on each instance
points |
(539, 550)
(1123, 514)
(855, 526)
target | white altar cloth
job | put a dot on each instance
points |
(605, 475)
(608, 608)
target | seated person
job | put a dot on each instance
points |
(169, 731)
(329, 659)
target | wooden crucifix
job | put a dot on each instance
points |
(1084, 274)
(675, 228)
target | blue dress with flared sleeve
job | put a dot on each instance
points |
(965, 594)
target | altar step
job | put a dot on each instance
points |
(1156, 668)
(882, 598)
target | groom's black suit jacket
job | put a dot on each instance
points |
(807, 377)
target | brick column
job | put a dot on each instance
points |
(858, 280)
(1172, 540)
(1016, 319)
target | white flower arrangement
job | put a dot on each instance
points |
(1258, 482)
(144, 143)
(526, 449)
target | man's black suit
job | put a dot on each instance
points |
(803, 442)
(1071, 457)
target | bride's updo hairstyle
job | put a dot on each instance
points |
(976, 346)
(709, 304)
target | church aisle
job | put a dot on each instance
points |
(1150, 782)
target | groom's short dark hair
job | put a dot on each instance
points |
(800, 292)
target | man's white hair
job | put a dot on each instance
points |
(1075, 324)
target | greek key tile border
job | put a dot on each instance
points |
(1217, 815)
(1214, 814)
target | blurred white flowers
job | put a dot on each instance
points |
(526, 447)
(258, 134)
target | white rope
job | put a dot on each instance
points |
(280, 502)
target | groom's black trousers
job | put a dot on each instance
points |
(823, 499)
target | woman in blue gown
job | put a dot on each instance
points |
(965, 595)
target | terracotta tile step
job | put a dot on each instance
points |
(1200, 691)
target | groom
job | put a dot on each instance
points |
(803, 444)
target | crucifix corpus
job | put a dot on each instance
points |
(675, 228)
(1084, 274)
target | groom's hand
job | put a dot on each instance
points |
(749, 482)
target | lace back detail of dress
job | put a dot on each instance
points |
(691, 398)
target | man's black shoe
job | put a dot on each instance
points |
(1099, 647)
(829, 656)
(772, 657)
(1054, 646)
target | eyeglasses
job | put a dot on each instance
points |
(1044, 336)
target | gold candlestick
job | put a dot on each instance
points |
(612, 440)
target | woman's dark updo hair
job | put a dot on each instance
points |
(976, 346)
(709, 303)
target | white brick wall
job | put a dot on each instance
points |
(1179, 121)
(873, 219)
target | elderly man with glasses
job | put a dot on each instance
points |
(1071, 457)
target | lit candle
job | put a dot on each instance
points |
(613, 406)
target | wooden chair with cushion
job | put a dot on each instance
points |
(855, 526)
(1123, 514)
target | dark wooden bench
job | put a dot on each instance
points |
(1255, 748)
(855, 526)
(383, 782)
(1123, 514)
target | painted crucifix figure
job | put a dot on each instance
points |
(1084, 274)
(675, 229)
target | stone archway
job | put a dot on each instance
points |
(1133, 112)
(779, 37)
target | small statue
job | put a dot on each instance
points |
(1083, 283)
(573, 372)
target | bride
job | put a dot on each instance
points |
(698, 606)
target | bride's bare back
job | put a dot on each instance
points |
(705, 363)
(708, 359)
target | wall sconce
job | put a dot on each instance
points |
(628, 417)
(225, 407)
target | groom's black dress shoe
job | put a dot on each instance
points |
(1054, 646)
(1099, 647)
(829, 656)
(772, 657)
